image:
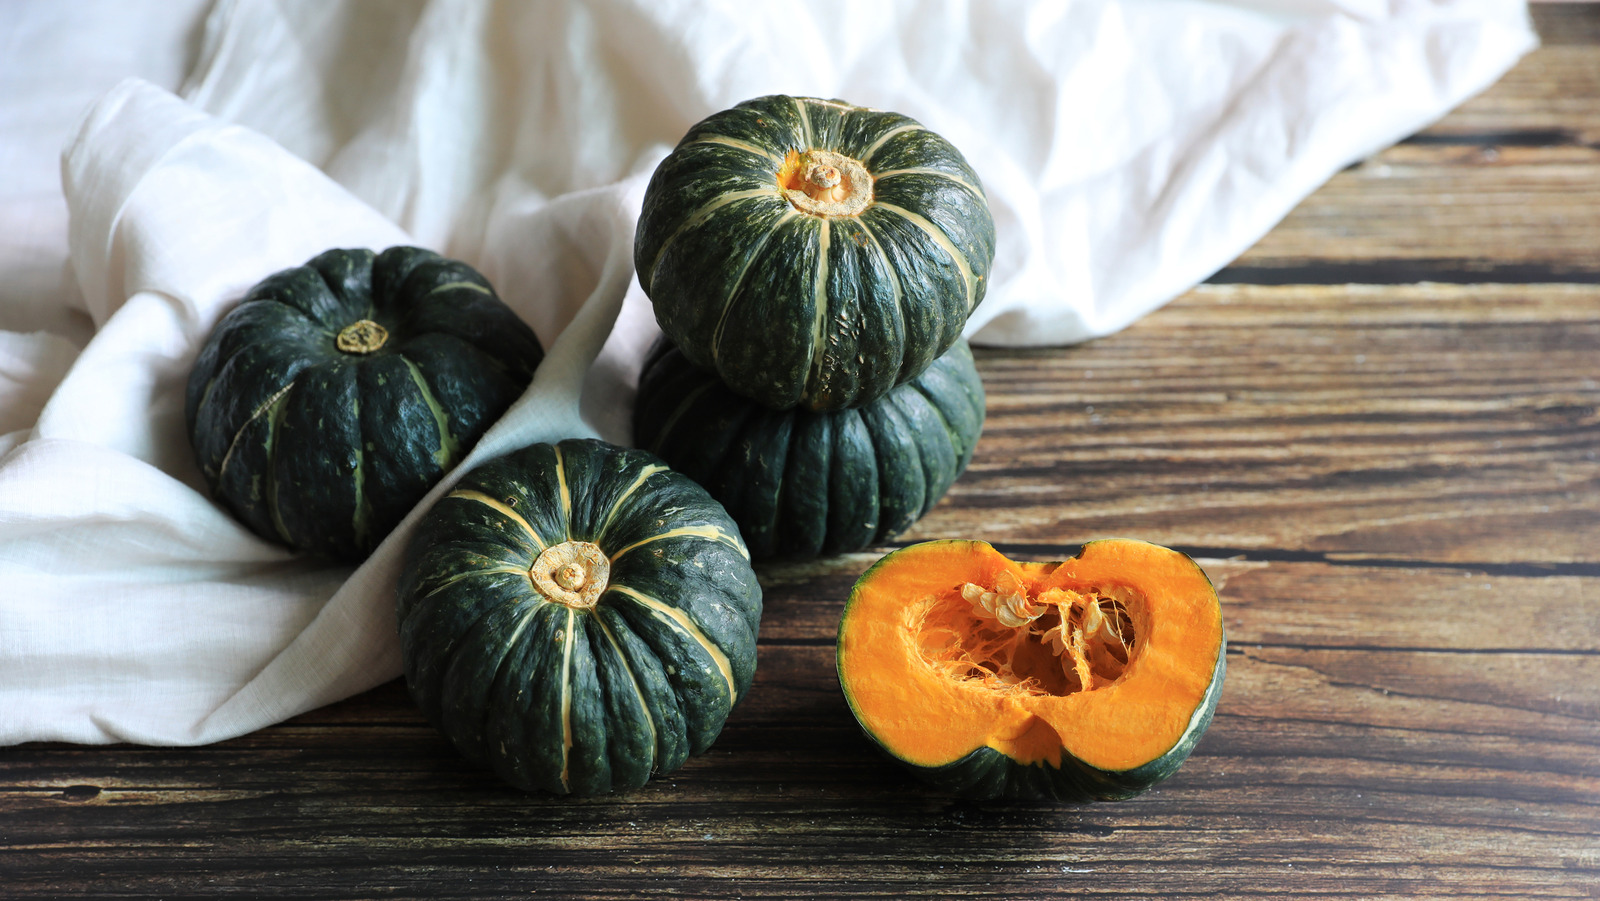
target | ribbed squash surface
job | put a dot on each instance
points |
(811, 252)
(578, 617)
(336, 394)
(800, 483)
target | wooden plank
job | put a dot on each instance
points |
(1483, 205)
(1504, 188)
(1566, 22)
(1549, 89)
(1417, 422)
(1548, 96)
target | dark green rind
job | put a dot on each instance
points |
(245, 367)
(326, 451)
(763, 342)
(313, 463)
(737, 286)
(479, 644)
(986, 774)
(755, 259)
(799, 483)
(772, 123)
(866, 321)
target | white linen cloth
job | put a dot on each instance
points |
(1129, 149)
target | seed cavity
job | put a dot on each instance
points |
(1056, 642)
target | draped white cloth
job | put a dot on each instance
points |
(1129, 149)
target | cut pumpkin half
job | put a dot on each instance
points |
(1088, 679)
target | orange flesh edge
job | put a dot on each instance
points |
(790, 177)
(929, 718)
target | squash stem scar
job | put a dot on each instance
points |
(573, 574)
(824, 183)
(361, 337)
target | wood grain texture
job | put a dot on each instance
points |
(1412, 422)
(1505, 188)
(1378, 431)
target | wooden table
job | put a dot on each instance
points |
(1378, 430)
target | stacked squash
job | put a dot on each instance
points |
(812, 265)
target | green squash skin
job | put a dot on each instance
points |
(484, 651)
(325, 450)
(792, 308)
(801, 484)
(986, 774)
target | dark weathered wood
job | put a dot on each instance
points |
(1377, 430)
(1467, 199)
(1505, 188)
(1415, 423)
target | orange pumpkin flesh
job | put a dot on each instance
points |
(1108, 662)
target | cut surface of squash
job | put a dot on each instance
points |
(1108, 662)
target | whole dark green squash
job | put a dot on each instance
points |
(578, 617)
(799, 483)
(336, 394)
(813, 253)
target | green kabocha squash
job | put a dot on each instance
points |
(578, 617)
(799, 483)
(813, 253)
(1087, 679)
(336, 394)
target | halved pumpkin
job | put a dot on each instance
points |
(1089, 679)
